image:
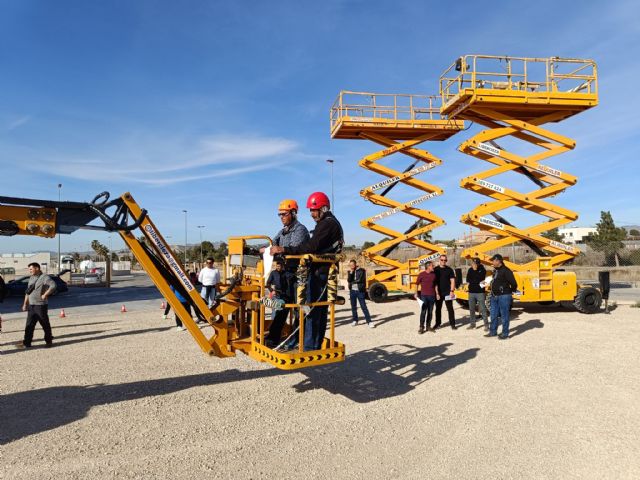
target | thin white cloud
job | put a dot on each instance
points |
(162, 161)
(18, 122)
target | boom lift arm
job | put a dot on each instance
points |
(238, 319)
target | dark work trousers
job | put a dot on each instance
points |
(167, 309)
(427, 309)
(35, 314)
(358, 297)
(315, 324)
(449, 304)
(187, 307)
(278, 319)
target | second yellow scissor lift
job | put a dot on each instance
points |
(399, 123)
(514, 98)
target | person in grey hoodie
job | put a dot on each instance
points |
(39, 288)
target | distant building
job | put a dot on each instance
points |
(19, 262)
(574, 235)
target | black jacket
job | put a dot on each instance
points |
(474, 277)
(359, 277)
(504, 283)
(326, 238)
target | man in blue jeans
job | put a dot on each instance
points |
(357, 280)
(502, 287)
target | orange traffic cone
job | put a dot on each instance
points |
(163, 306)
(123, 309)
(62, 314)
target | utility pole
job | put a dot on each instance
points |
(59, 254)
(200, 227)
(333, 205)
(185, 238)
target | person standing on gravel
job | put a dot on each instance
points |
(39, 288)
(502, 287)
(445, 286)
(475, 276)
(209, 278)
(426, 293)
(357, 281)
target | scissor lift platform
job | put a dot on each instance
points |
(395, 116)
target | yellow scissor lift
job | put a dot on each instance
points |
(399, 123)
(513, 98)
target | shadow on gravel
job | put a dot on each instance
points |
(36, 411)
(523, 327)
(384, 372)
(56, 343)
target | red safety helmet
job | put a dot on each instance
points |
(317, 200)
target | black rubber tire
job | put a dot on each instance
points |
(377, 292)
(588, 300)
(463, 303)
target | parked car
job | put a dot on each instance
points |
(18, 287)
(92, 279)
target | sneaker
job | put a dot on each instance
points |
(180, 329)
(371, 325)
(491, 335)
(354, 324)
(502, 336)
(164, 317)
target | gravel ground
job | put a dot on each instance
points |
(126, 396)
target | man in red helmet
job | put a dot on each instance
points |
(327, 237)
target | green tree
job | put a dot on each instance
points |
(634, 233)
(608, 238)
(553, 234)
(366, 245)
(221, 252)
(100, 249)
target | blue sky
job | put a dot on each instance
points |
(221, 108)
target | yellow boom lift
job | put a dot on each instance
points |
(237, 322)
(514, 98)
(399, 123)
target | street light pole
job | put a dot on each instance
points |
(200, 227)
(333, 205)
(59, 254)
(185, 238)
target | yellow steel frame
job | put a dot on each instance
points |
(399, 123)
(238, 321)
(513, 97)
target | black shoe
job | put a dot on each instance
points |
(270, 343)
(453, 327)
(436, 326)
(22, 346)
(503, 337)
(49, 345)
(421, 330)
(491, 335)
